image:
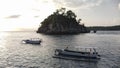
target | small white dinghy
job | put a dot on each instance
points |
(89, 54)
(32, 41)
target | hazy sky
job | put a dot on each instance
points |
(94, 12)
(17, 14)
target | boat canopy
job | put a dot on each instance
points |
(85, 49)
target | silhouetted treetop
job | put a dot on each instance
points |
(62, 11)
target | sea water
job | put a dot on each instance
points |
(15, 54)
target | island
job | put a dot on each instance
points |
(104, 28)
(62, 22)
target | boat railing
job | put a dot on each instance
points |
(77, 51)
(91, 50)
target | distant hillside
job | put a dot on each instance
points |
(62, 22)
(117, 27)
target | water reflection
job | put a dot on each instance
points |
(3, 41)
(62, 63)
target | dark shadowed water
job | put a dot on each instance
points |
(14, 54)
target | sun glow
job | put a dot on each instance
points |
(17, 14)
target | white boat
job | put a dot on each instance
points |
(32, 41)
(87, 54)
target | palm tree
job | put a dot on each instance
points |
(70, 14)
(62, 10)
(79, 20)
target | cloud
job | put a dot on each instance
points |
(119, 5)
(77, 3)
(13, 16)
(36, 9)
(36, 16)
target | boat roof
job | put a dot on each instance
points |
(86, 49)
(89, 47)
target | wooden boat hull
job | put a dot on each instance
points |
(74, 58)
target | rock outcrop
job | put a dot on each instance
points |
(62, 23)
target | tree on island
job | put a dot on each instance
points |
(62, 22)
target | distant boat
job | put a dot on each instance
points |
(93, 31)
(32, 41)
(88, 54)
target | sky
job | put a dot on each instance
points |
(27, 14)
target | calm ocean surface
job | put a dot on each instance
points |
(14, 54)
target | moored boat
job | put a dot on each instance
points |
(32, 41)
(88, 54)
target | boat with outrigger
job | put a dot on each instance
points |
(32, 41)
(89, 54)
